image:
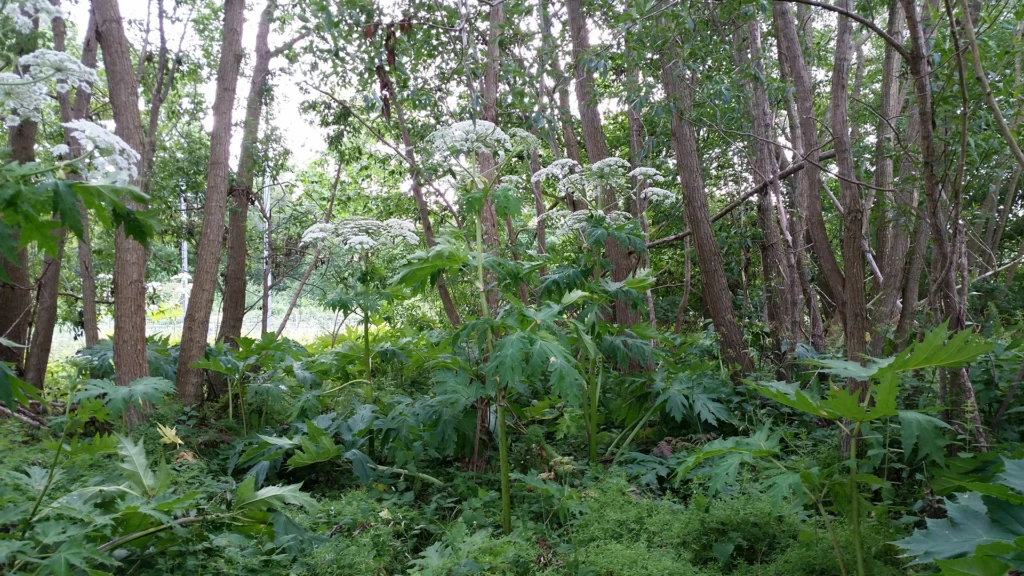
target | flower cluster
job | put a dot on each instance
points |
(523, 141)
(646, 174)
(21, 99)
(107, 154)
(573, 185)
(557, 170)
(567, 222)
(469, 137)
(513, 182)
(656, 195)
(362, 234)
(62, 68)
(609, 171)
(23, 12)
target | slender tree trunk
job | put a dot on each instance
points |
(685, 300)
(856, 321)
(893, 239)
(129, 256)
(421, 203)
(948, 297)
(233, 304)
(196, 326)
(49, 283)
(808, 196)
(717, 294)
(487, 163)
(572, 146)
(774, 267)
(16, 296)
(597, 147)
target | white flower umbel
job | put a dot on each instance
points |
(60, 150)
(557, 170)
(523, 141)
(608, 172)
(513, 182)
(106, 154)
(21, 99)
(468, 137)
(659, 195)
(24, 11)
(573, 185)
(67, 72)
(645, 174)
(362, 234)
(565, 222)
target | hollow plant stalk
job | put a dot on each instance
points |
(506, 495)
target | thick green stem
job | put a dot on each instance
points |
(855, 503)
(366, 335)
(595, 395)
(46, 487)
(506, 495)
(636, 429)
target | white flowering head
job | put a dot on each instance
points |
(557, 170)
(656, 195)
(106, 155)
(608, 172)
(468, 137)
(523, 141)
(646, 175)
(67, 72)
(573, 185)
(513, 182)
(574, 222)
(24, 11)
(362, 234)
(21, 99)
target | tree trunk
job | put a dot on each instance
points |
(856, 321)
(948, 299)
(893, 239)
(129, 256)
(597, 147)
(196, 326)
(808, 196)
(233, 304)
(421, 203)
(572, 146)
(49, 282)
(774, 267)
(717, 294)
(487, 164)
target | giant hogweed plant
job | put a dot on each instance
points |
(561, 342)
(861, 417)
(124, 520)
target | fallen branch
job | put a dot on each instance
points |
(792, 169)
(31, 422)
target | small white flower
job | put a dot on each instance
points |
(60, 150)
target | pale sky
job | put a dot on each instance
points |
(301, 134)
